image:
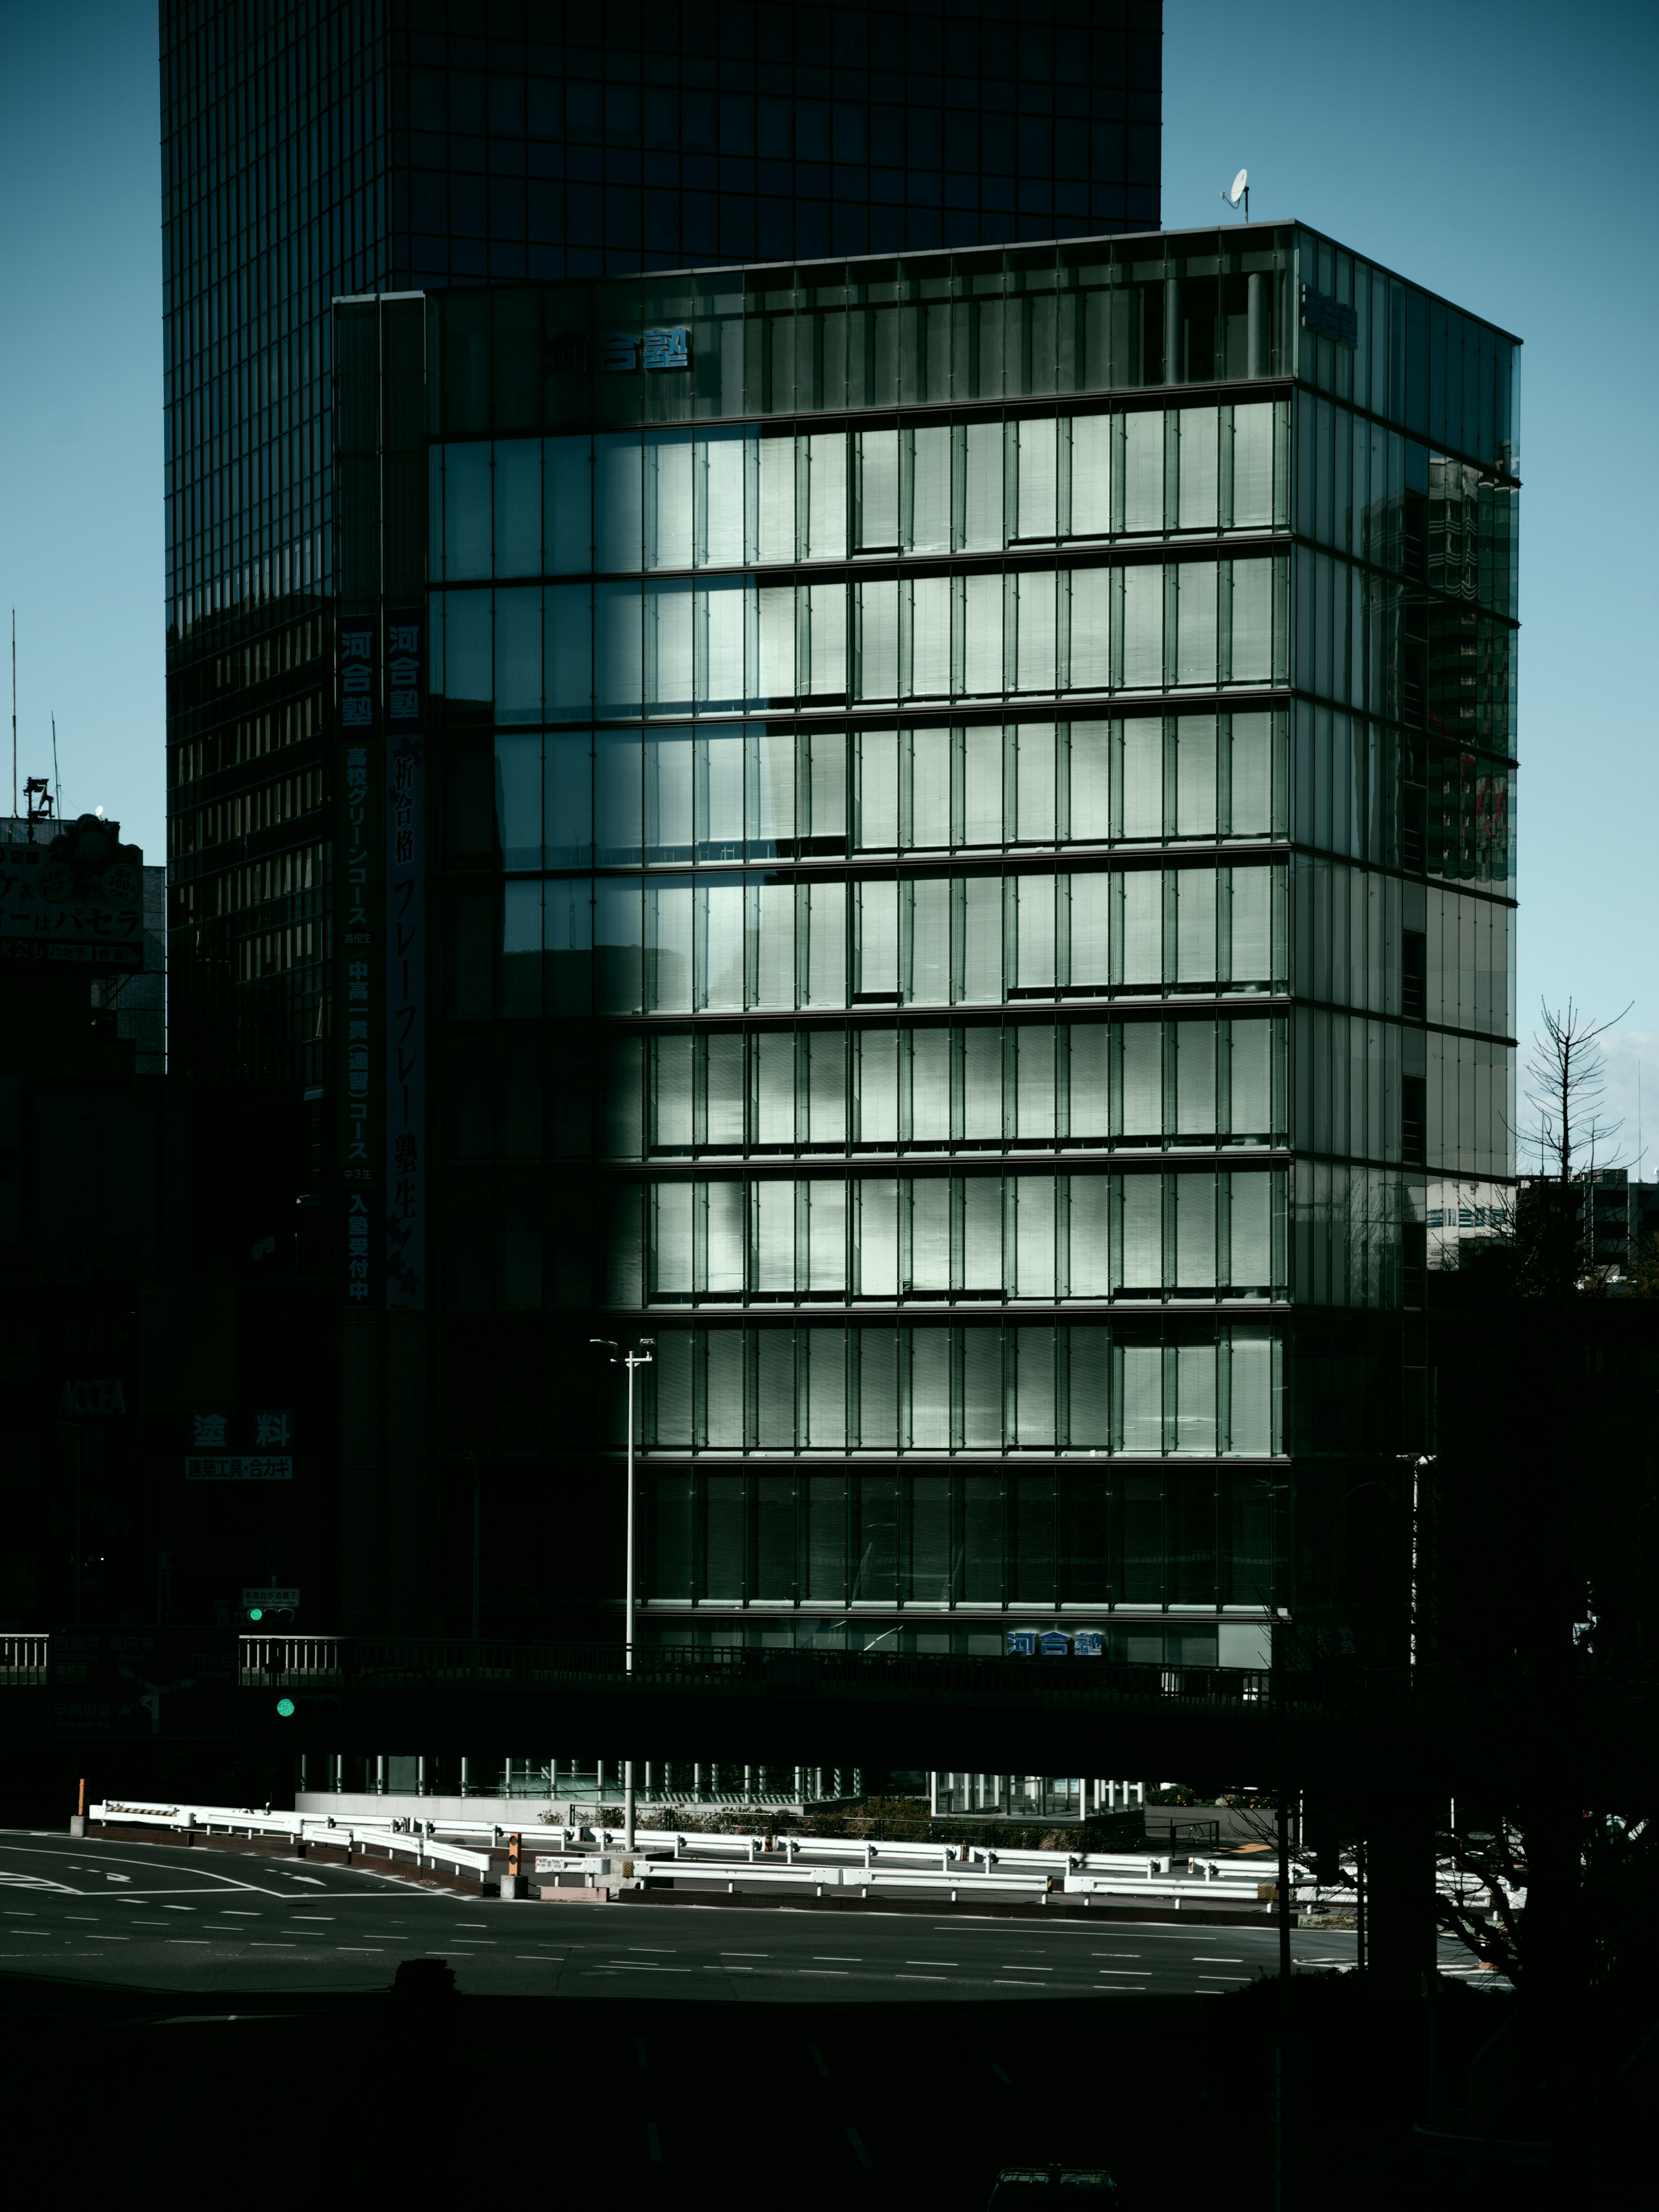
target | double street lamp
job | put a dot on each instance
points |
(630, 1361)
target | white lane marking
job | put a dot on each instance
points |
(823, 1974)
(1024, 1966)
(199, 1941)
(835, 1958)
(921, 1978)
(933, 1962)
(258, 1946)
(109, 1939)
(1124, 1973)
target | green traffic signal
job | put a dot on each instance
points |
(285, 1708)
(256, 1613)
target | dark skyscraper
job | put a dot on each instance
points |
(312, 150)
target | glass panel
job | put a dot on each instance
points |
(518, 507)
(1143, 928)
(1195, 775)
(982, 633)
(1088, 761)
(777, 499)
(567, 492)
(982, 496)
(929, 523)
(567, 642)
(617, 501)
(929, 640)
(1142, 1252)
(466, 512)
(1143, 470)
(1198, 467)
(826, 505)
(519, 800)
(1143, 629)
(668, 945)
(668, 499)
(877, 500)
(1036, 479)
(1091, 475)
(722, 460)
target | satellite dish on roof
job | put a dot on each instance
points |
(1239, 190)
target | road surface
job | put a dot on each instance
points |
(172, 1918)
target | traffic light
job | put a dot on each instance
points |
(269, 1616)
(308, 1714)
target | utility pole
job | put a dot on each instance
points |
(14, 714)
(74, 1429)
(477, 1516)
(628, 1361)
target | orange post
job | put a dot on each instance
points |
(80, 1808)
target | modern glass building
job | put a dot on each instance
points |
(933, 833)
(312, 149)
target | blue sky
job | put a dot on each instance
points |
(1501, 153)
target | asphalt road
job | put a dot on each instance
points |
(172, 1918)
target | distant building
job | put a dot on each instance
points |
(135, 990)
(139, 999)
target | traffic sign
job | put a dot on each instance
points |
(272, 1600)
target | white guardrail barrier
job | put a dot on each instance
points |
(300, 1827)
(822, 1862)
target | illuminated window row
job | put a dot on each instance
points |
(680, 945)
(978, 1386)
(730, 498)
(568, 651)
(984, 1236)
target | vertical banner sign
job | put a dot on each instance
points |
(406, 963)
(359, 1031)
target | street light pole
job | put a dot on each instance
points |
(628, 1361)
(74, 1428)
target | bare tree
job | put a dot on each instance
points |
(1566, 1087)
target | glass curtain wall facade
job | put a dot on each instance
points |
(969, 895)
(311, 150)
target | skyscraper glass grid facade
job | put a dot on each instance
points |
(1016, 892)
(311, 150)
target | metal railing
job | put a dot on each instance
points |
(23, 1661)
(425, 1849)
(326, 1661)
(341, 1662)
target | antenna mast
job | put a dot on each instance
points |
(57, 788)
(14, 714)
